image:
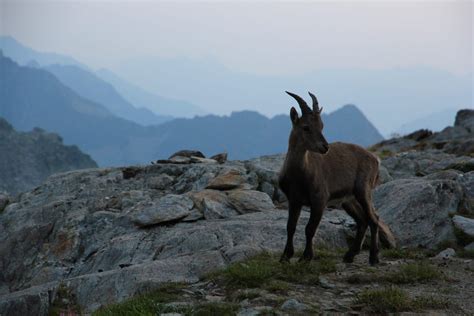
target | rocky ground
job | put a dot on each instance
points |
(86, 239)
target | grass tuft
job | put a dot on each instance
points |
(265, 269)
(150, 303)
(395, 300)
(413, 273)
(398, 253)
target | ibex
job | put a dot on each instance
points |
(318, 174)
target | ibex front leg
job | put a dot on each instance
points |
(294, 210)
(317, 208)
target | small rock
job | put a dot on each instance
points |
(446, 254)
(160, 182)
(294, 305)
(187, 153)
(466, 225)
(324, 283)
(169, 208)
(227, 181)
(248, 311)
(171, 314)
(248, 201)
(220, 158)
(195, 159)
(469, 247)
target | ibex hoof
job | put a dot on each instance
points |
(373, 261)
(348, 258)
(284, 259)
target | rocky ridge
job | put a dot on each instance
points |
(27, 159)
(108, 234)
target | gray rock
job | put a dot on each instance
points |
(220, 158)
(4, 200)
(466, 225)
(294, 305)
(230, 180)
(465, 118)
(418, 210)
(187, 153)
(246, 201)
(213, 204)
(469, 247)
(446, 254)
(160, 182)
(248, 311)
(169, 208)
(324, 283)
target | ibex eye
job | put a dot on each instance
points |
(306, 128)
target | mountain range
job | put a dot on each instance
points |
(389, 97)
(105, 87)
(34, 97)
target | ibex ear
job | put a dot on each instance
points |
(294, 115)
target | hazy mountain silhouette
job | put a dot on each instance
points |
(436, 122)
(91, 87)
(23, 55)
(145, 99)
(390, 97)
(253, 134)
(34, 97)
(79, 77)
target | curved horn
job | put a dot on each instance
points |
(315, 103)
(302, 103)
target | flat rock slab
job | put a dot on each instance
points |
(171, 207)
(466, 225)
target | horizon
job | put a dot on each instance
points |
(227, 56)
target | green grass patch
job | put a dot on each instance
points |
(385, 154)
(276, 286)
(64, 303)
(263, 270)
(360, 278)
(413, 273)
(398, 253)
(395, 300)
(149, 303)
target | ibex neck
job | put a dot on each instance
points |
(295, 159)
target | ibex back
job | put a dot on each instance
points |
(318, 174)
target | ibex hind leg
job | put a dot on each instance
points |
(365, 202)
(355, 211)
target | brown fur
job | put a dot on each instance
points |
(318, 175)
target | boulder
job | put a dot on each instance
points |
(187, 153)
(418, 210)
(213, 204)
(247, 201)
(230, 180)
(464, 224)
(169, 208)
(465, 118)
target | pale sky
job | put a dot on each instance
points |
(261, 38)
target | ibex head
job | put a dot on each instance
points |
(307, 131)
